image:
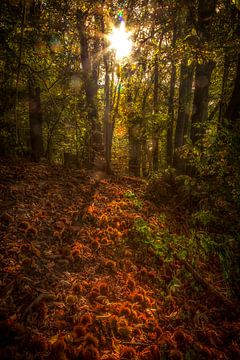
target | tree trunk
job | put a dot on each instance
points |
(200, 100)
(144, 155)
(107, 117)
(185, 88)
(206, 11)
(233, 109)
(171, 104)
(35, 120)
(147, 158)
(155, 137)
(91, 88)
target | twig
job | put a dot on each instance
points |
(136, 343)
(224, 300)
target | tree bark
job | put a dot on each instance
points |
(91, 88)
(155, 137)
(200, 100)
(144, 151)
(185, 89)
(107, 117)
(147, 155)
(233, 109)
(171, 104)
(206, 11)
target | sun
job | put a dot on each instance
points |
(120, 41)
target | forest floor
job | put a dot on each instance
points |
(81, 279)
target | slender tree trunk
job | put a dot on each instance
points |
(115, 112)
(35, 120)
(233, 109)
(185, 88)
(144, 155)
(107, 117)
(146, 158)
(155, 152)
(155, 137)
(91, 88)
(171, 104)
(107, 102)
(19, 69)
(206, 11)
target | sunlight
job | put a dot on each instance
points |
(120, 41)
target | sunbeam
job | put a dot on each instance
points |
(120, 41)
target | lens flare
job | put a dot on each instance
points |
(120, 41)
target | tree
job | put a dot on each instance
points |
(155, 138)
(90, 79)
(170, 122)
(203, 72)
(185, 88)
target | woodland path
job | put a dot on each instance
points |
(80, 281)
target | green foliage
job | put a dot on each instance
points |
(135, 200)
(204, 217)
(143, 231)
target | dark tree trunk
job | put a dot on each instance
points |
(206, 11)
(155, 151)
(36, 121)
(107, 119)
(155, 137)
(171, 104)
(233, 109)
(107, 124)
(185, 89)
(114, 116)
(144, 156)
(147, 158)
(91, 88)
(200, 100)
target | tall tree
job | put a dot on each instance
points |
(206, 11)
(185, 89)
(170, 120)
(155, 138)
(34, 92)
(233, 108)
(90, 86)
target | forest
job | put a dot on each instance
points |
(119, 179)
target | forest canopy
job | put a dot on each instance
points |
(72, 83)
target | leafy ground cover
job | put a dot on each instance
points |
(92, 269)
